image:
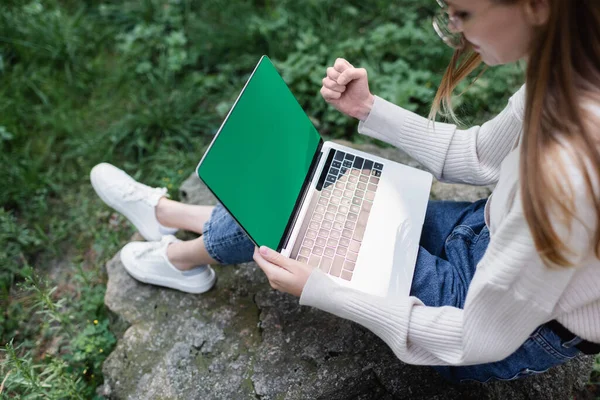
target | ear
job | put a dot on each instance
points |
(537, 12)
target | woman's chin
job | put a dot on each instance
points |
(490, 61)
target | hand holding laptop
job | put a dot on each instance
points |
(322, 204)
(284, 274)
(347, 89)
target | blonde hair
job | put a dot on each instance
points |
(562, 75)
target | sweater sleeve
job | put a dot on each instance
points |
(503, 306)
(512, 293)
(470, 156)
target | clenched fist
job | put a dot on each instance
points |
(347, 89)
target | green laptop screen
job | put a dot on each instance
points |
(258, 161)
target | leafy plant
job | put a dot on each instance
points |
(31, 380)
(72, 368)
(15, 242)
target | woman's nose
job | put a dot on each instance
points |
(454, 22)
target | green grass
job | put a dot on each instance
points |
(144, 84)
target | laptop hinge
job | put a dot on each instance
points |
(300, 201)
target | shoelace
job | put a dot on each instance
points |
(135, 192)
(155, 246)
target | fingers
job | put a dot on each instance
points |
(271, 271)
(333, 85)
(274, 257)
(329, 94)
(331, 90)
(341, 65)
(284, 274)
(333, 74)
(351, 74)
(338, 77)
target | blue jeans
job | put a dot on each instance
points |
(453, 241)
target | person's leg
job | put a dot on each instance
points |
(440, 220)
(187, 255)
(136, 201)
(222, 240)
(543, 350)
(183, 265)
(444, 282)
(182, 216)
(445, 266)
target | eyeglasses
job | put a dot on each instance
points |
(448, 27)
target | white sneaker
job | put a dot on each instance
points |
(134, 200)
(147, 262)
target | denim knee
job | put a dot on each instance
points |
(225, 241)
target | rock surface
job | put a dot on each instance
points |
(243, 340)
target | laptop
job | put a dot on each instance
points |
(356, 216)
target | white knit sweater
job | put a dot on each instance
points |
(512, 292)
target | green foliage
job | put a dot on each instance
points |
(72, 367)
(15, 242)
(31, 380)
(157, 40)
(145, 84)
(93, 340)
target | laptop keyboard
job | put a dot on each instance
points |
(337, 225)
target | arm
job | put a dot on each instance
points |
(510, 295)
(469, 156)
(512, 291)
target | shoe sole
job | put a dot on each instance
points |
(141, 228)
(204, 287)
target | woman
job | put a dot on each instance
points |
(503, 287)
